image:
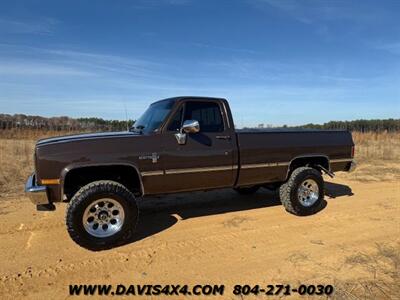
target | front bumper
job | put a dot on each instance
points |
(37, 193)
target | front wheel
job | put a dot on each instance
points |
(303, 193)
(102, 214)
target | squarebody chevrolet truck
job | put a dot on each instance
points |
(179, 144)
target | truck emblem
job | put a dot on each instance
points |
(154, 157)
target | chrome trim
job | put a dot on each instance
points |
(225, 168)
(341, 160)
(103, 217)
(152, 173)
(308, 192)
(36, 193)
(223, 137)
(265, 165)
(180, 138)
(198, 170)
(189, 170)
(190, 126)
(153, 156)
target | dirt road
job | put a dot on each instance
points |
(216, 237)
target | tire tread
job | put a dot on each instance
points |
(287, 190)
(101, 186)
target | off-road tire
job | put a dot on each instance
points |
(288, 192)
(247, 190)
(87, 195)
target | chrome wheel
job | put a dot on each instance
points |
(103, 218)
(308, 192)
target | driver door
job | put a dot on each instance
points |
(205, 161)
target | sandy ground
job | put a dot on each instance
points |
(216, 237)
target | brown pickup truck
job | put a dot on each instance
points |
(179, 144)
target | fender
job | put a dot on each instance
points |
(307, 156)
(71, 167)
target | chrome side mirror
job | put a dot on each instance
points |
(189, 126)
(180, 138)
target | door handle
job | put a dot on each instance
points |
(223, 137)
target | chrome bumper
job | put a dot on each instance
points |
(352, 166)
(37, 193)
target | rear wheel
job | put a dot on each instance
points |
(247, 190)
(303, 193)
(102, 214)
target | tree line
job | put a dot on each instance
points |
(373, 125)
(63, 123)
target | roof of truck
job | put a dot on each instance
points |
(190, 97)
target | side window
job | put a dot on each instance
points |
(176, 121)
(207, 113)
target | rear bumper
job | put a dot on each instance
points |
(352, 166)
(36, 193)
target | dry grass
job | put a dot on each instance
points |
(16, 164)
(380, 275)
(377, 146)
(16, 157)
(31, 134)
(378, 155)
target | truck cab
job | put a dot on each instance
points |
(198, 140)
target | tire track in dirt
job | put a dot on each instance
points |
(122, 261)
(249, 244)
(42, 226)
(119, 262)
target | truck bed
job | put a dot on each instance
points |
(270, 152)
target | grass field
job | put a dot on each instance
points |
(351, 244)
(378, 156)
(377, 146)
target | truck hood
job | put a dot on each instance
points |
(86, 136)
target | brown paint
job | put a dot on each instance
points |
(55, 157)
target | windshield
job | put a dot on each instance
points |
(154, 116)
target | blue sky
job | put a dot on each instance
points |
(276, 61)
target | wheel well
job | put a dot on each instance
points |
(309, 161)
(79, 177)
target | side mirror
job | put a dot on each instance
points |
(189, 126)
